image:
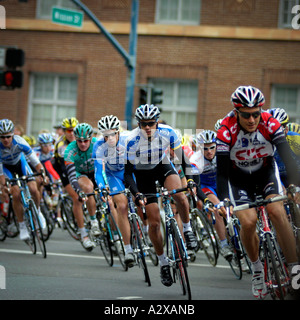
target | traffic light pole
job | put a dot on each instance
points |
(130, 58)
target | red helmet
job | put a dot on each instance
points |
(247, 96)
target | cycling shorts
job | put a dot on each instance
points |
(115, 181)
(21, 168)
(208, 190)
(244, 186)
(90, 176)
(146, 178)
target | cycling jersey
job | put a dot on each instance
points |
(43, 157)
(79, 162)
(249, 153)
(113, 158)
(146, 153)
(293, 138)
(208, 177)
(11, 156)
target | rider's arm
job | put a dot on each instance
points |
(129, 180)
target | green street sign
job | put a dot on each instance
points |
(67, 17)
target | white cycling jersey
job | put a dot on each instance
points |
(12, 155)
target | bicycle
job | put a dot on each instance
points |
(176, 250)
(110, 239)
(31, 214)
(8, 223)
(139, 242)
(203, 229)
(294, 212)
(234, 240)
(276, 274)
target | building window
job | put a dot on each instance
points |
(288, 98)
(178, 12)
(285, 13)
(52, 98)
(180, 101)
(44, 7)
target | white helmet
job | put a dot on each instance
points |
(6, 126)
(206, 136)
(280, 115)
(147, 112)
(247, 96)
(109, 123)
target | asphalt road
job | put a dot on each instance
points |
(71, 273)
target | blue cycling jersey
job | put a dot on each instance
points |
(208, 177)
(146, 153)
(11, 156)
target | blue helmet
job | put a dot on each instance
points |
(45, 138)
(147, 112)
(6, 126)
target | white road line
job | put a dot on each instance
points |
(67, 255)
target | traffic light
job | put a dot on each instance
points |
(156, 96)
(143, 96)
(10, 77)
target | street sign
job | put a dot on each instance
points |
(67, 17)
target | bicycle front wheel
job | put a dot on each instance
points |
(180, 261)
(68, 217)
(37, 229)
(138, 248)
(276, 275)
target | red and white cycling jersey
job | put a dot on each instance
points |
(249, 151)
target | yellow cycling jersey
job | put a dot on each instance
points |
(293, 139)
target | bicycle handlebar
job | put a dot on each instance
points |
(165, 193)
(259, 202)
(24, 178)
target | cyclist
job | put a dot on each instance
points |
(147, 160)
(208, 178)
(109, 150)
(245, 165)
(13, 150)
(68, 125)
(293, 139)
(80, 169)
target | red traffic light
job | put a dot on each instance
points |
(13, 79)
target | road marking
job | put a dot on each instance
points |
(68, 255)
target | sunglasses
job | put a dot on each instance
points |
(83, 140)
(110, 134)
(247, 115)
(209, 148)
(70, 130)
(6, 137)
(145, 124)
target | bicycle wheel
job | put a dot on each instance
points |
(205, 235)
(118, 242)
(67, 215)
(38, 231)
(138, 248)
(46, 213)
(235, 262)
(180, 261)
(295, 214)
(3, 228)
(105, 243)
(31, 242)
(276, 275)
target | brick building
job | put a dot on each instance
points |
(197, 51)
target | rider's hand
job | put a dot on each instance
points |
(82, 196)
(208, 205)
(221, 207)
(140, 200)
(294, 193)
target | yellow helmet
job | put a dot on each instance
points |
(293, 126)
(30, 140)
(69, 123)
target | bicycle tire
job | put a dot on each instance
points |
(235, 262)
(205, 235)
(120, 253)
(295, 214)
(31, 241)
(3, 228)
(275, 272)
(105, 246)
(45, 212)
(138, 249)
(68, 218)
(180, 261)
(38, 231)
